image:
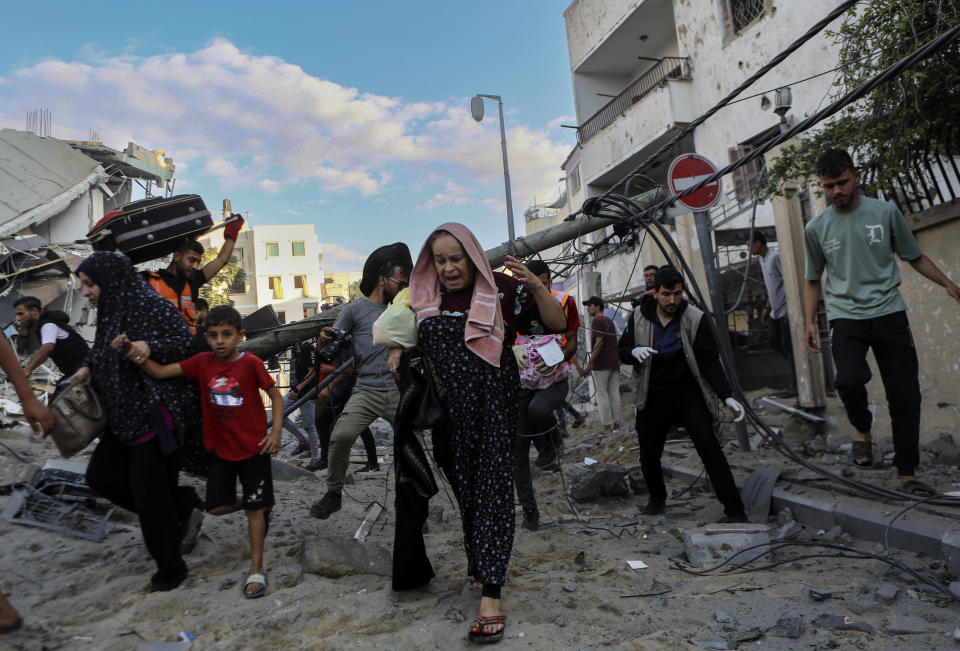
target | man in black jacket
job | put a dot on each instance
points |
(677, 380)
(58, 340)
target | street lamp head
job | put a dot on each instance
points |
(783, 100)
(476, 108)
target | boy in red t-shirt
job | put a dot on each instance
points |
(230, 384)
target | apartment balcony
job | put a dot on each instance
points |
(656, 77)
(634, 125)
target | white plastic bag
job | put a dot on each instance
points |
(397, 326)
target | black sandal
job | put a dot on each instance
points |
(918, 488)
(862, 453)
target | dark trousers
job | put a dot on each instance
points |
(538, 425)
(892, 343)
(326, 416)
(143, 480)
(561, 418)
(685, 408)
(779, 337)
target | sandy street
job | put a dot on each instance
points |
(569, 587)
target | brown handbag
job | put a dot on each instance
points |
(78, 418)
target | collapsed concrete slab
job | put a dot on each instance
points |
(716, 543)
(591, 482)
(334, 557)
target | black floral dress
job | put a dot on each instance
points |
(482, 408)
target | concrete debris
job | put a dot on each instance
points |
(785, 516)
(373, 513)
(816, 594)
(788, 531)
(887, 593)
(718, 542)
(832, 535)
(288, 472)
(955, 588)
(335, 557)
(790, 627)
(454, 615)
(598, 480)
(722, 617)
(714, 644)
(907, 625)
(943, 453)
(843, 623)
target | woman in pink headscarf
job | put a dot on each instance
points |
(467, 318)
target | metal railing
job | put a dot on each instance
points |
(663, 69)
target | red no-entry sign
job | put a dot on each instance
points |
(686, 171)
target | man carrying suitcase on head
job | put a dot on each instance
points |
(180, 282)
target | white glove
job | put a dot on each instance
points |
(643, 353)
(736, 408)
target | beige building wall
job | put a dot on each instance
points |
(935, 322)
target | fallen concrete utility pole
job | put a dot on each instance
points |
(284, 336)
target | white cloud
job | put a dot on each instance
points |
(251, 119)
(269, 185)
(452, 193)
(339, 258)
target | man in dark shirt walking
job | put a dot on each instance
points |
(677, 380)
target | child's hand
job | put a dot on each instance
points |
(137, 351)
(120, 343)
(271, 443)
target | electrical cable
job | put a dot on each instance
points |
(846, 552)
(838, 11)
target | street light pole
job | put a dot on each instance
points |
(476, 109)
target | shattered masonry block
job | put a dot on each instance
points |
(950, 546)
(887, 593)
(335, 557)
(599, 480)
(716, 543)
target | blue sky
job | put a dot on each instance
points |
(352, 116)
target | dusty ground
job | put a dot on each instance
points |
(76, 594)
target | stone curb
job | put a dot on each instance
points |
(861, 518)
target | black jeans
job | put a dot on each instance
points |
(142, 480)
(779, 337)
(685, 408)
(326, 416)
(892, 343)
(537, 424)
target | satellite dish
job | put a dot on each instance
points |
(476, 108)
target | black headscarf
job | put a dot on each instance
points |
(130, 397)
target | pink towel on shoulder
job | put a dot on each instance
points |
(484, 330)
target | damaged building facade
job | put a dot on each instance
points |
(641, 71)
(51, 193)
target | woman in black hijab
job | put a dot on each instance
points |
(137, 462)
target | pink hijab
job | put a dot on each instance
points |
(484, 331)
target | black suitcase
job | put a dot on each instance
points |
(152, 228)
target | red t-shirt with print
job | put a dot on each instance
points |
(234, 419)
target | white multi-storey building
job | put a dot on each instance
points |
(281, 264)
